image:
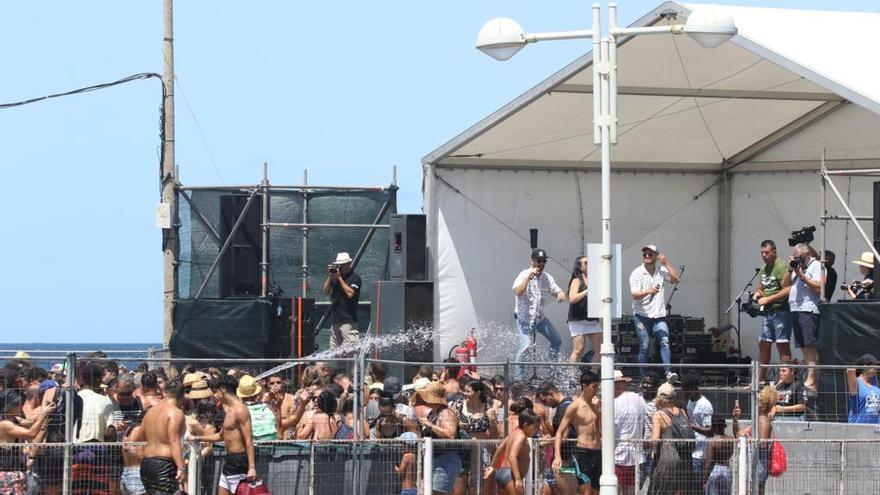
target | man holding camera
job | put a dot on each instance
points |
(805, 276)
(773, 297)
(649, 304)
(343, 285)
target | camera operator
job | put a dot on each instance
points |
(862, 289)
(773, 297)
(649, 304)
(344, 287)
(530, 287)
(805, 276)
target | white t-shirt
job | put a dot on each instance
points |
(629, 423)
(651, 306)
(802, 298)
(96, 415)
(700, 414)
(530, 305)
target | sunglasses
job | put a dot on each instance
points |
(540, 261)
(647, 254)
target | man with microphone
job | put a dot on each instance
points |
(530, 288)
(649, 304)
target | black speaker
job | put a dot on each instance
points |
(240, 265)
(876, 275)
(407, 259)
(397, 307)
(292, 328)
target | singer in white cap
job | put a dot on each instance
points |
(649, 304)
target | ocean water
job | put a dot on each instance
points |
(46, 354)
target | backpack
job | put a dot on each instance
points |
(778, 459)
(680, 429)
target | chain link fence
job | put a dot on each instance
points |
(353, 425)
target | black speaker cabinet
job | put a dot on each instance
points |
(406, 307)
(240, 266)
(292, 328)
(407, 259)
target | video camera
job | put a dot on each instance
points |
(751, 307)
(802, 236)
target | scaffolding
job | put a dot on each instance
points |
(826, 183)
(350, 219)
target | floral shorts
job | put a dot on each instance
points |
(13, 483)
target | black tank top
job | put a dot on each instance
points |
(578, 311)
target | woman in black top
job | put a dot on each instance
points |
(578, 323)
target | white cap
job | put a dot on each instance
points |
(652, 247)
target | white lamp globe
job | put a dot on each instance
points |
(501, 38)
(710, 26)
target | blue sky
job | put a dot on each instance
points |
(345, 90)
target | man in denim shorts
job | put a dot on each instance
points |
(774, 298)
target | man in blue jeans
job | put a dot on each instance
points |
(531, 286)
(649, 304)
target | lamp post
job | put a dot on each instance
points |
(501, 38)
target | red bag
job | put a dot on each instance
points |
(778, 459)
(255, 487)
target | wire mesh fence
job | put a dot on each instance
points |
(359, 425)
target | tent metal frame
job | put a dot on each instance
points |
(264, 190)
(825, 182)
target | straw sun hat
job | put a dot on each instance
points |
(248, 387)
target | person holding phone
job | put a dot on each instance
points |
(649, 304)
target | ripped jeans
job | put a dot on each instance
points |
(657, 326)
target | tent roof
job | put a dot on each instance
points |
(683, 107)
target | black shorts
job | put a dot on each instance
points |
(806, 328)
(159, 475)
(589, 462)
(235, 464)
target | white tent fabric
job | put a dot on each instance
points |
(718, 150)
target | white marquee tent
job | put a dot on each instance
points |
(718, 150)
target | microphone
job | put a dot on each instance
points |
(757, 270)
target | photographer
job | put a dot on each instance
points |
(773, 298)
(862, 289)
(344, 287)
(805, 276)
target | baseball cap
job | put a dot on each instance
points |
(539, 253)
(47, 384)
(652, 247)
(392, 386)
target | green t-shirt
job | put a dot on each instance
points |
(771, 281)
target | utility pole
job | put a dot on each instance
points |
(170, 242)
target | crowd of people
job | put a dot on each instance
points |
(667, 431)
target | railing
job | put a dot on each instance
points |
(825, 455)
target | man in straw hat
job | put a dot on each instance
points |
(862, 289)
(235, 434)
(436, 420)
(343, 285)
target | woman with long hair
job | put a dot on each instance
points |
(767, 398)
(476, 419)
(673, 471)
(12, 466)
(581, 326)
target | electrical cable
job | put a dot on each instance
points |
(199, 129)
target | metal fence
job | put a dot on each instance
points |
(825, 454)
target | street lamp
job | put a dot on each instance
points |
(501, 38)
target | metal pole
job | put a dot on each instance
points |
(69, 392)
(608, 480)
(170, 247)
(304, 268)
(823, 220)
(429, 465)
(264, 259)
(506, 399)
(742, 476)
(192, 468)
(849, 212)
(238, 222)
(756, 427)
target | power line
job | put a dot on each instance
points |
(134, 77)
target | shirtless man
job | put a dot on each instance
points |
(517, 454)
(150, 392)
(162, 468)
(583, 415)
(236, 435)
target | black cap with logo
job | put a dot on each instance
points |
(538, 254)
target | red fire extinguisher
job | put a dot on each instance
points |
(466, 353)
